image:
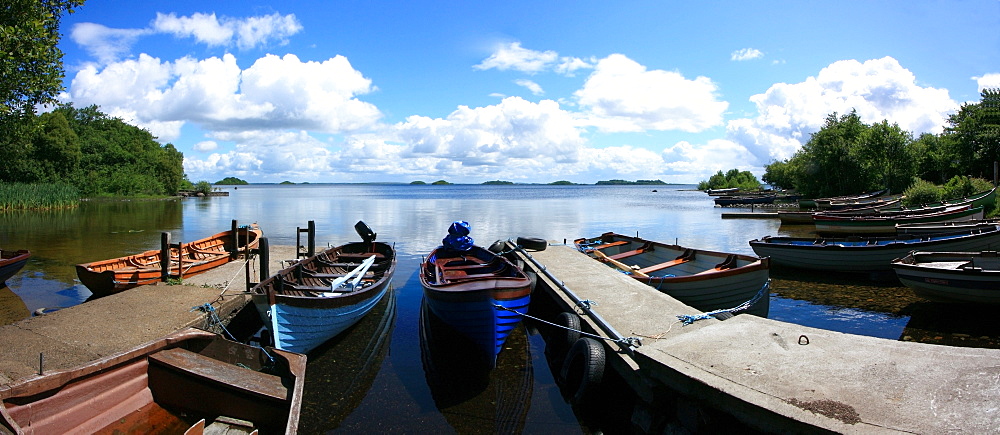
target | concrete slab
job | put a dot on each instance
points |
(824, 379)
(115, 323)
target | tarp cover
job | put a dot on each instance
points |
(458, 237)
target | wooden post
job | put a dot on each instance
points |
(312, 238)
(236, 238)
(180, 261)
(164, 256)
(265, 259)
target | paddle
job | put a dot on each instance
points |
(358, 273)
(624, 267)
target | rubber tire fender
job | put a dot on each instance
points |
(532, 243)
(583, 371)
(564, 339)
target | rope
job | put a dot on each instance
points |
(689, 319)
(213, 318)
(625, 341)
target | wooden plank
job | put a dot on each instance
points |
(227, 374)
(664, 265)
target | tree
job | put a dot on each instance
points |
(31, 70)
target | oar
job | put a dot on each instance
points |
(624, 267)
(362, 268)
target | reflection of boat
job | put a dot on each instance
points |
(745, 199)
(166, 385)
(317, 298)
(706, 280)
(111, 276)
(952, 324)
(11, 262)
(867, 254)
(468, 391)
(342, 370)
(951, 276)
(475, 291)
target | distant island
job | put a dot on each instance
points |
(498, 182)
(631, 183)
(230, 181)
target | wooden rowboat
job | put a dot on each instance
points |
(475, 291)
(952, 276)
(867, 253)
(191, 380)
(317, 298)
(11, 262)
(878, 224)
(117, 274)
(705, 280)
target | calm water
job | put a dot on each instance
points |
(378, 376)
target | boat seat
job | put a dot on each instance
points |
(221, 373)
(333, 275)
(664, 265)
(609, 245)
(646, 247)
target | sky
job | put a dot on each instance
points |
(521, 91)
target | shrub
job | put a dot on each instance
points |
(203, 187)
(921, 192)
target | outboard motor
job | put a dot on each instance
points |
(366, 233)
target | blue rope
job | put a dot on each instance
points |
(213, 318)
(764, 290)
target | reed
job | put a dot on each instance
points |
(21, 196)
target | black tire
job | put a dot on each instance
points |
(532, 243)
(583, 371)
(496, 247)
(563, 339)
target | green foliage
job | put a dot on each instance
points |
(31, 70)
(440, 182)
(19, 196)
(921, 192)
(231, 181)
(744, 180)
(780, 175)
(962, 186)
(286, 182)
(562, 183)
(418, 182)
(498, 182)
(203, 187)
(630, 183)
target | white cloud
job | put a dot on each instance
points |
(535, 88)
(244, 33)
(206, 146)
(273, 93)
(878, 89)
(105, 43)
(511, 56)
(991, 80)
(746, 54)
(622, 95)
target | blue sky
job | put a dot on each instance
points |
(525, 91)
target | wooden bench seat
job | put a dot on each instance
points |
(217, 371)
(664, 265)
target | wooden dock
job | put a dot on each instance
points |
(770, 376)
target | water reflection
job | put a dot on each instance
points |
(472, 397)
(341, 371)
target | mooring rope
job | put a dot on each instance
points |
(213, 318)
(626, 341)
(689, 319)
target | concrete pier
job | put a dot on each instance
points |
(73, 336)
(775, 376)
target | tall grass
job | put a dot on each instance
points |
(20, 196)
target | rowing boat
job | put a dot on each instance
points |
(11, 262)
(475, 291)
(186, 382)
(886, 224)
(186, 259)
(705, 280)
(867, 253)
(317, 298)
(951, 276)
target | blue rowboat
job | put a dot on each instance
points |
(317, 298)
(475, 291)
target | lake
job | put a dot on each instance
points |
(378, 376)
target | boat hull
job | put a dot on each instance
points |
(972, 277)
(172, 382)
(12, 262)
(827, 224)
(111, 276)
(700, 282)
(297, 304)
(484, 303)
(866, 254)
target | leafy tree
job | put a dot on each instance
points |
(231, 181)
(975, 130)
(921, 192)
(884, 156)
(31, 71)
(56, 149)
(744, 180)
(780, 174)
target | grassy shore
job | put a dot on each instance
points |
(19, 196)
